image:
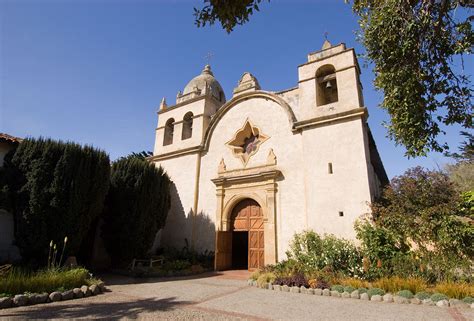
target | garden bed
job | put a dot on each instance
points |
(19, 288)
(373, 294)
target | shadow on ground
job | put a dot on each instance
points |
(91, 310)
(117, 279)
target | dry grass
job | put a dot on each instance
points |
(355, 283)
(395, 284)
(455, 290)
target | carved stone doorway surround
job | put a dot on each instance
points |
(257, 183)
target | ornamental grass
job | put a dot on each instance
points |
(458, 290)
(19, 282)
(394, 284)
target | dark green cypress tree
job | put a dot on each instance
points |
(58, 189)
(136, 208)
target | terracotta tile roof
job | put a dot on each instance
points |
(9, 138)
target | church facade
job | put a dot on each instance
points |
(251, 171)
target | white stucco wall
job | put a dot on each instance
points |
(347, 189)
(291, 216)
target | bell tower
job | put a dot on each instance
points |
(329, 82)
(182, 126)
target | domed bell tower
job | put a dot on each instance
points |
(181, 127)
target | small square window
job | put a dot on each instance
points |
(341, 213)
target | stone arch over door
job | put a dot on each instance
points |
(233, 187)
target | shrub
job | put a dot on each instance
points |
(438, 297)
(375, 291)
(420, 209)
(136, 208)
(455, 290)
(468, 300)
(176, 265)
(318, 284)
(405, 294)
(205, 258)
(394, 284)
(18, 282)
(264, 278)
(313, 252)
(56, 189)
(362, 290)
(349, 289)
(339, 288)
(296, 280)
(285, 268)
(423, 295)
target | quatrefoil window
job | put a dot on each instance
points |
(246, 142)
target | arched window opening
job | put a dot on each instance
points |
(169, 132)
(187, 126)
(326, 85)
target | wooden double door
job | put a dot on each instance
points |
(247, 217)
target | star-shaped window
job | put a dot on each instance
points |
(246, 142)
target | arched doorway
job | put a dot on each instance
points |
(247, 235)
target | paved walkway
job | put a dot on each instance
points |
(222, 296)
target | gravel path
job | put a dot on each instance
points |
(222, 297)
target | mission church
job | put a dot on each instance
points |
(251, 171)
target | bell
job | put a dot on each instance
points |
(328, 85)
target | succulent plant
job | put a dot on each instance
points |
(423, 295)
(339, 288)
(438, 297)
(405, 294)
(375, 291)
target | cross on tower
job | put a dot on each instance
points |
(326, 35)
(208, 57)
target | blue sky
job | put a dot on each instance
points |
(94, 71)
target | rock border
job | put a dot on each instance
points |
(20, 300)
(387, 298)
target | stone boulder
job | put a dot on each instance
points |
(376, 298)
(277, 287)
(458, 303)
(442, 303)
(310, 291)
(335, 294)
(85, 291)
(55, 296)
(295, 289)
(364, 296)
(401, 300)
(6, 302)
(388, 298)
(67, 295)
(415, 301)
(318, 292)
(355, 294)
(326, 292)
(345, 295)
(428, 302)
(285, 288)
(77, 293)
(20, 300)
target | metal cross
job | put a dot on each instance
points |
(208, 57)
(326, 35)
